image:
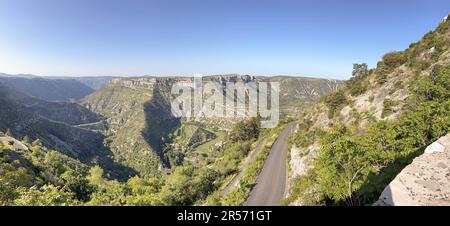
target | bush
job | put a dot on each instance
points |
(231, 158)
(388, 64)
(335, 102)
(382, 78)
(358, 88)
(246, 130)
(187, 185)
(388, 107)
(307, 137)
(342, 165)
(398, 85)
(358, 83)
(393, 59)
(48, 195)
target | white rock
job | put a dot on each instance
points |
(425, 182)
(434, 147)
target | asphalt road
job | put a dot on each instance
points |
(271, 183)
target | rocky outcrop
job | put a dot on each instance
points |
(15, 143)
(425, 182)
(301, 159)
(446, 18)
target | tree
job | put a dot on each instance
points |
(11, 179)
(335, 102)
(246, 130)
(187, 185)
(179, 188)
(140, 186)
(96, 176)
(76, 183)
(343, 165)
(360, 70)
(48, 195)
(432, 102)
(110, 193)
(357, 83)
(144, 192)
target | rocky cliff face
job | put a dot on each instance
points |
(425, 182)
(138, 112)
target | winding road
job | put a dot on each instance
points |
(271, 183)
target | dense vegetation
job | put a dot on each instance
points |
(39, 176)
(142, 135)
(354, 167)
(356, 162)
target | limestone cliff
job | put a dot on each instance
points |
(425, 182)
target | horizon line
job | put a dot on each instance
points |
(28, 75)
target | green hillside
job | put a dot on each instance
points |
(352, 143)
(54, 125)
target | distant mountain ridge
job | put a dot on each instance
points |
(49, 89)
(132, 114)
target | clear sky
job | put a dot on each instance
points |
(187, 37)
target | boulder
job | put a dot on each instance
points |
(425, 182)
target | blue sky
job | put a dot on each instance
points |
(186, 37)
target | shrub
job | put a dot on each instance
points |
(357, 86)
(398, 85)
(246, 130)
(335, 102)
(388, 107)
(382, 78)
(389, 62)
(394, 59)
(357, 83)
